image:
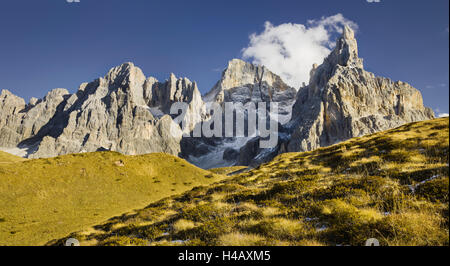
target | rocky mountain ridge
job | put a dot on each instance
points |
(127, 112)
(123, 111)
(241, 83)
(342, 101)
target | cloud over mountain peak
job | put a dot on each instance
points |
(290, 49)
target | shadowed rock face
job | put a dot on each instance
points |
(343, 101)
(241, 82)
(112, 113)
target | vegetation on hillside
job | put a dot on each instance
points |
(46, 199)
(393, 186)
(9, 158)
(228, 170)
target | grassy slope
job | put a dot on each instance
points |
(46, 199)
(9, 158)
(392, 185)
(228, 170)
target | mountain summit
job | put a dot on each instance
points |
(343, 101)
(243, 82)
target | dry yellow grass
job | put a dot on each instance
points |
(182, 224)
(227, 170)
(392, 185)
(240, 239)
(45, 199)
(9, 158)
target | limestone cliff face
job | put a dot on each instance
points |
(19, 121)
(243, 82)
(343, 101)
(10, 118)
(123, 111)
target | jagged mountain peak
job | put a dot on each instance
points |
(123, 111)
(348, 33)
(237, 67)
(236, 62)
(125, 74)
(344, 54)
(343, 101)
(58, 92)
(122, 68)
(346, 51)
(10, 104)
(243, 81)
(172, 77)
(5, 93)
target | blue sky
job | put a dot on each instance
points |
(46, 44)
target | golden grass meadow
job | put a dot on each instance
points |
(392, 185)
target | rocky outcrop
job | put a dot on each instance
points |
(110, 113)
(241, 82)
(19, 121)
(10, 118)
(244, 82)
(343, 101)
(181, 90)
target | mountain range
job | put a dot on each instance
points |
(127, 112)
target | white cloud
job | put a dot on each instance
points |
(434, 86)
(217, 69)
(290, 50)
(443, 115)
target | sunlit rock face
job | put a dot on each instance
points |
(123, 111)
(342, 101)
(244, 82)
